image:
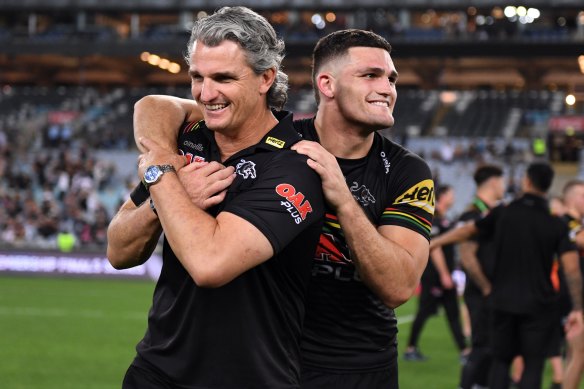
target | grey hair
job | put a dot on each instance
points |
(264, 50)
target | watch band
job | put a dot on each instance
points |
(139, 194)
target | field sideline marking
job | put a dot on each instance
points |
(405, 319)
(55, 312)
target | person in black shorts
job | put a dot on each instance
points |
(374, 244)
(228, 307)
(477, 259)
(527, 238)
(437, 285)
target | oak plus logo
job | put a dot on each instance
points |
(420, 195)
(295, 203)
(246, 169)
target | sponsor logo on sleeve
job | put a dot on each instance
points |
(295, 203)
(275, 142)
(246, 169)
(420, 195)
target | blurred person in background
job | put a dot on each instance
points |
(573, 195)
(527, 238)
(477, 258)
(373, 247)
(438, 288)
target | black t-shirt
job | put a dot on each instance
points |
(527, 239)
(575, 226)
(431, 277)
(486, 247)
(347, 327)
(247, 332)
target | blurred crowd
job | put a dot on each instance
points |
(51, 191)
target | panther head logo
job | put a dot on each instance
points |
(362, 194)
(246, 169)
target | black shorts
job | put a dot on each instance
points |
(522, 334)
(316, 379)
(480, 319)
(138, 378)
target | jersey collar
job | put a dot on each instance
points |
(282, 136)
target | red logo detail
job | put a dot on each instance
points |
(296, 199)
(193, 158)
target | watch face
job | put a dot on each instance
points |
(151, 175)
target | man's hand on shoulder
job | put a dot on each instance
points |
(334, 185)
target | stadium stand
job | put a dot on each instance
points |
(475, 85)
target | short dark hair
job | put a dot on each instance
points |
(541, 175)
(336, 44)
(441, 190)
(484, 172)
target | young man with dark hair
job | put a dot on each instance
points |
(527, 239)
(374, 245)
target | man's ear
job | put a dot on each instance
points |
(326, 85)
(268, 78)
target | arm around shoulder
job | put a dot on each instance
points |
(160, 117)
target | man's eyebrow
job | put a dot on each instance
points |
(378, 70)
(217, 75)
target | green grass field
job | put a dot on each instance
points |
(58, 333)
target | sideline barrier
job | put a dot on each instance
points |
(75, 264)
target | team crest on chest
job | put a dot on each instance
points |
(246, 169)
(362, 194)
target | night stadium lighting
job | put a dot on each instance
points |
(533, 13)
(581, 63)
(153, 59)
(510, 11)
(315, 19)
(174, 67)
(570, 99)
(330, 17)
(144, 56)
(164, 63)
(521, 11)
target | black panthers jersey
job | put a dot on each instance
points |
(347, 327)
(247, 332)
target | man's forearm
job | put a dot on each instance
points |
(574, 282)
(159, 118)
(388, 269)
(132, 235)
(571, 268)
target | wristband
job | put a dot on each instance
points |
(139, 194)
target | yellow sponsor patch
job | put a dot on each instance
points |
(275, 142)
(420, 195)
